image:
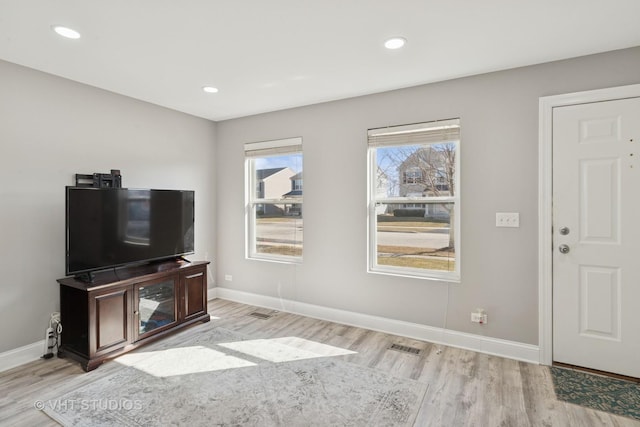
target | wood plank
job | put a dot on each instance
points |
(465, 388)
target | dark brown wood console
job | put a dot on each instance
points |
(125, 308)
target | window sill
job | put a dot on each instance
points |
(452, 277)
(275, 259)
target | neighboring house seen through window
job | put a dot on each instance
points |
(274, 200)
(414, 200)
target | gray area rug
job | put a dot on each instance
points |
(206, 381)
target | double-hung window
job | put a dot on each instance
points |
(274, 188)
(414, 200)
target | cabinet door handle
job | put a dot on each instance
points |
(136, 313)
(191, 276)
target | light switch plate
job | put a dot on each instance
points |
(507, 219)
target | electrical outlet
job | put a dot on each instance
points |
(479, 316)
(507, 219)
(228, 277)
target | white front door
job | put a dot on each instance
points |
(596, 235)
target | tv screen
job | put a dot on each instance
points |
(111, 227)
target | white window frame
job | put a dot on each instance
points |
(253, 150)
(438, 131)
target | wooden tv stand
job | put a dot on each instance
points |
(122, 309)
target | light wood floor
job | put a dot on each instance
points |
(465, 388)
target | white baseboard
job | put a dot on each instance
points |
(494, 346)
(21, 355)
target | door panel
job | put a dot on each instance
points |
(599, 200)
(596, 217)
(111, 321)
(600, 302)
(195, 301)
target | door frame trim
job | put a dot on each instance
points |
(545, 205)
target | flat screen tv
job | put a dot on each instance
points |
(113, 227)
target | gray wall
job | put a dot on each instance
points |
(52, 128)
(499, 172)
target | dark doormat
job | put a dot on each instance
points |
(599, 392)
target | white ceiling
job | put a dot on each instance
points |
(267, 55)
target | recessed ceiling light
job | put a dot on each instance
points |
(395, 43)
(210, 89)
(66, 32)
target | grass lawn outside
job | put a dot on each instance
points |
(423, 258)
(411, 250)
(285, 250)
(422, 263)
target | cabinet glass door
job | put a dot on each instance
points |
(156, 306)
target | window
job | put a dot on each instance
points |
(274, 200)
(414, 200)
(412, 175)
